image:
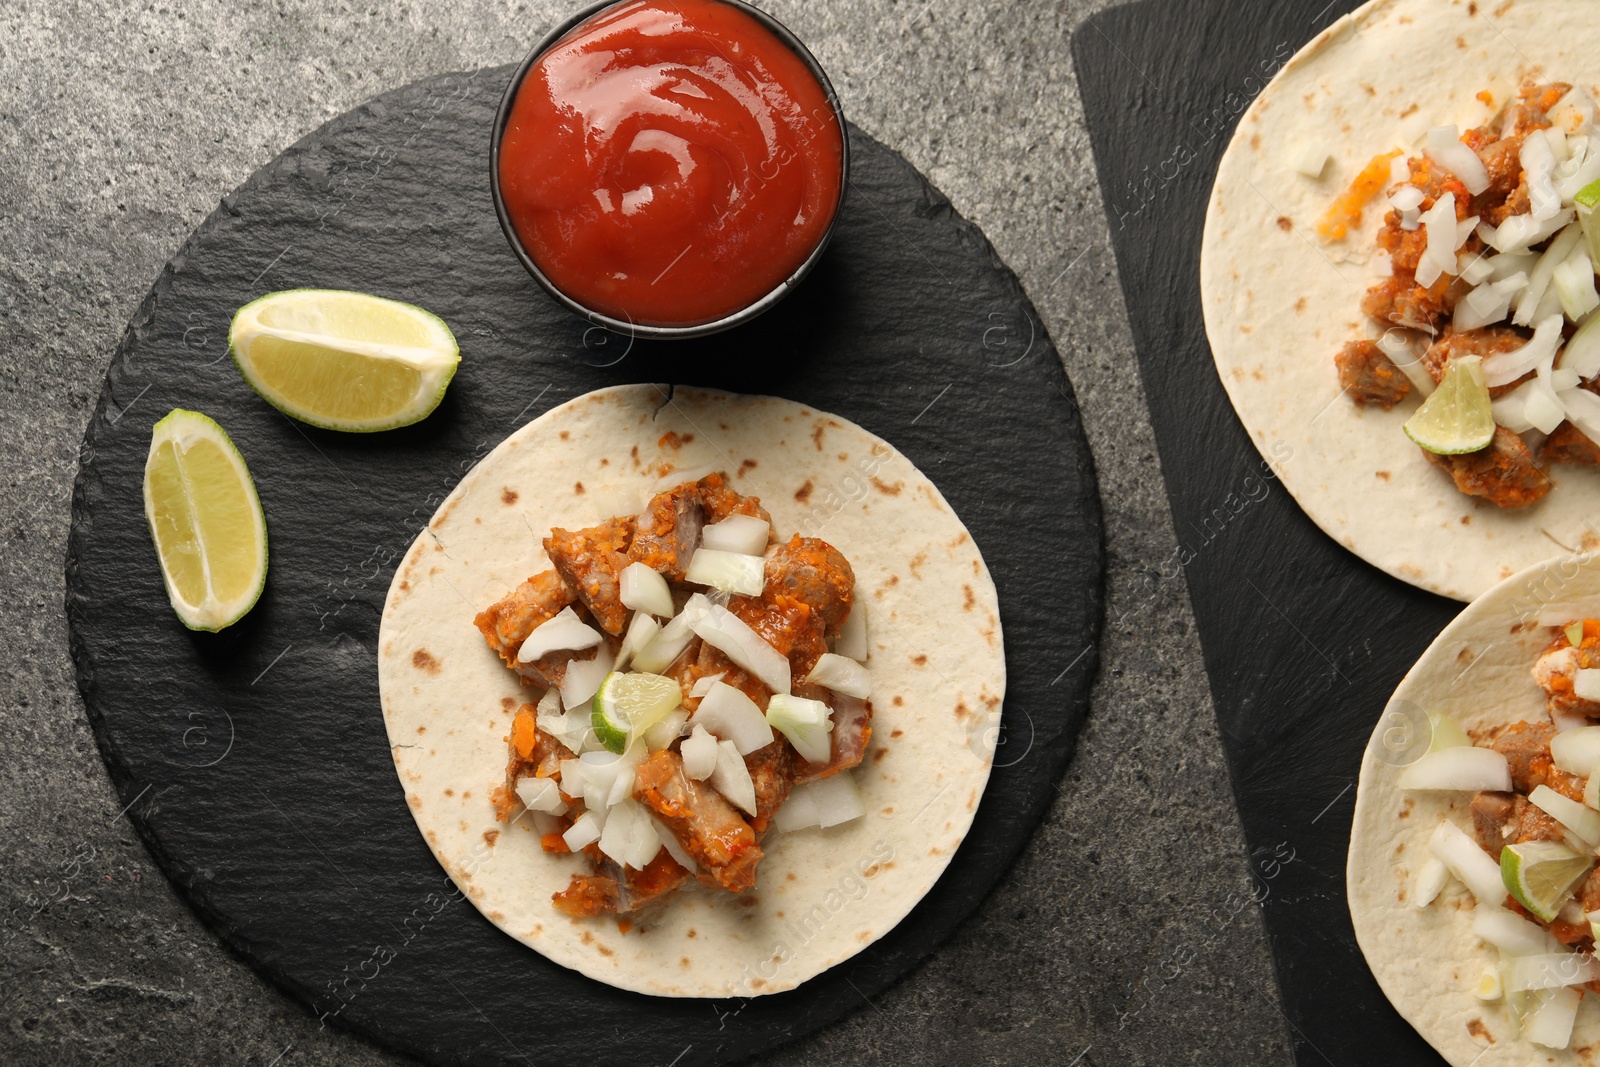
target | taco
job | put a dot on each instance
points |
(1472, 874)
(580, 663)
(1398, 279)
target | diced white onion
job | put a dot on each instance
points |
(669, 841)
(562, 632)
(583, 677)
(674, 637)
(1550, 970)
(703, 686)
(1478, 271)
(852, 639)
(1574, 284)
(1311, 159)
(645, 590)
(1407, 203)
(1564, 378)
(1586, 685)
(842, 675)
(641, 631)
(732, 778)
(1569, 185)
(1512, 934)
(806, 723)
(1503, 368)
(1583, 822)
(541, 794)
(1447, 150)
(1488, 303)
(731, 572)
(1403, 349)
(1541, 408)
(1431, 878)
(1488, 985)
(1583, 411)
(584, 831)
(1582, 353)
(699, 754)
(1439, 252)
(745, 534)
(630, 836)
(661, 735)
(725, 631)
(1510, 410)
(837, 799)
(1544, 271)
(1550, 1024)
(732, 716)
(1469, 863)
(1473, 769)
(1539, 164)
(1577, 751)
(1506, 264)
(1521, 232)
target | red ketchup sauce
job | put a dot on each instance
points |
(670, 162)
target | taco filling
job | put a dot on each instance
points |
(701, 689)
(1530, 860)
(1492, 245)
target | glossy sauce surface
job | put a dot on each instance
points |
(670, 164)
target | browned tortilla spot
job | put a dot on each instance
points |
(491, 836)
(508, 497)
(603, 950)
(405, 586)
(970, 599)
(449, 792)
(899, 702)
(1475, 1027)
(1385, 475)
(1285, 223)
(746, 466)
(877, 757)
(803, 493)
(671, 440)
(577, 488)
(586, 937)
(423, 660)
(896, 734)
(888, 490)
(508, 704)
(691, 933)
(920, 660)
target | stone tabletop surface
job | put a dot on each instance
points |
(1118, 938)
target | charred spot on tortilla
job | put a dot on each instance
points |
(423, 660)
(803, 494)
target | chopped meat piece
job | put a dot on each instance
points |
(1556, 669)
(534, 754)
(508, 622)
(1489, 341)
(1400, 301)
(1571, 445)
(852, 730)
(1501, 819)
(1504, 473)
(787, 625)
(708, 827)
(670, 527)
(634, 888)
(1370, 376)
(1589, 892)
(587, 895)
(712, 660)
(590, 561)
(1526, 747)
(772, 770)
(814, 573)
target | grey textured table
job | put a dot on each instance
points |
(1123, 936)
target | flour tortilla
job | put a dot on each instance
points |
(1279, 303)
(1478, 671)
(936, 659)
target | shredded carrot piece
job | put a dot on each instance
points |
(1345, 212)
(524, 732)
(1487, 97)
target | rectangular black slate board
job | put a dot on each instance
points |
(1303, 641)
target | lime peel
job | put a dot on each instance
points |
(1540, 875)
(1457, 418)
(628, 704)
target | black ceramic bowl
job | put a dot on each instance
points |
(623, 326)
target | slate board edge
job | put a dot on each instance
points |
(1077, 697)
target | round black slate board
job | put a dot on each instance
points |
(254, 762)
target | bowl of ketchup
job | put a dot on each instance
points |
(669, 168)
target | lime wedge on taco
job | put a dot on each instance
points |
(628, 704)
(1457, 417)
(1587, 199)
(1540, 875)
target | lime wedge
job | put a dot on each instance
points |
(206, 520)
(1457, 417)
(1540, 875)
(1587, 200)
(344, 361)
(630, 703)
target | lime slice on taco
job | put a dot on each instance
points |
(628, 704)
(1540, 875)
(1457, 417)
